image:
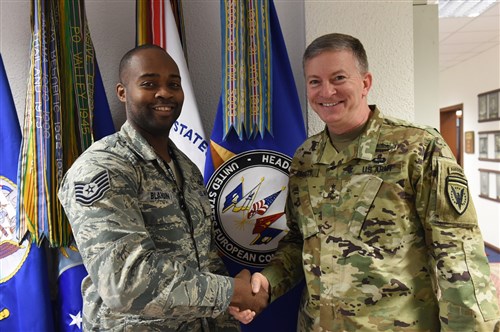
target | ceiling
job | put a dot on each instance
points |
(463, 38)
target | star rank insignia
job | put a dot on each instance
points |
(86, 193)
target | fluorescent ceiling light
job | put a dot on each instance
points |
(463, 8)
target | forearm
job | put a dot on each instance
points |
(285, 270)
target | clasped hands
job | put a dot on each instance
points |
(250, 297)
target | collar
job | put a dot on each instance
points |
(140, 145)
(362, 148)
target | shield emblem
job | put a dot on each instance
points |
(458, 193)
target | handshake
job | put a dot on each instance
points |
(250, 297)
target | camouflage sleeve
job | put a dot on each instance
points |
(216, 264)
(131, 275)
(223, 323)
(285, 269)
(467, 298)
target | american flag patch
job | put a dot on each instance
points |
(88, 193)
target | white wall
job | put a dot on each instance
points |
(386, 31)
(15, 34)
(462, 84)
(426, 38)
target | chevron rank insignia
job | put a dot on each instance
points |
(458, 192)
(86, 193)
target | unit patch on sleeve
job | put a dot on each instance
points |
(457, 192)
(86, 193)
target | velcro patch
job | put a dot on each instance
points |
(88, 193)
(457, 192)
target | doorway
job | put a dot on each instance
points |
(451, 128)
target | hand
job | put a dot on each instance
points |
(258, 281)
(243, 297)
(245, 316)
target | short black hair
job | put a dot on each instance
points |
(125, 61)
(338, 42)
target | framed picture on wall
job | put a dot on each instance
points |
(493, 105)
(485, 184)
(488, 107)
(497, 145)
(489, 145)
(482, 107)
(498, 186)
(469, 142)
(489, 184)
(483, 146)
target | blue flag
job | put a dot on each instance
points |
(71, 269)
(70, 302)
(103, 122)
(24, 286)
(250, 154)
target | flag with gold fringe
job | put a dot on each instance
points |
(258, 127)
(160, 22)
(24, 278)
(66, 110)
(59, 115)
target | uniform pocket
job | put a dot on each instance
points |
(362, 192)
(378, 216)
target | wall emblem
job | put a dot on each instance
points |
(247, 195)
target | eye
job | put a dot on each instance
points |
(175, 85)
(147, 84)
(313, 82)
(339, 78)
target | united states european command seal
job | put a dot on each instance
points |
(247, 195)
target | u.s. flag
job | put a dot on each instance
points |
(261, 206)
(257, 129)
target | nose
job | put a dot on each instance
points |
(163, 92)
(327, 90)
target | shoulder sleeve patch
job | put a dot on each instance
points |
(457, 192)
(453, 202)
(86, 193)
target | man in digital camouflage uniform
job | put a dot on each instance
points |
(141, 218)
(381, 221)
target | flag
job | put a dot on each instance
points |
(257, 129)
(261, 206)
(66, 110)
(25, 303)
(60, 116)
(69, 299)
(71, 270)
(156, 24)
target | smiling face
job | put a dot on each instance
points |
(337, 90)
(151, 90)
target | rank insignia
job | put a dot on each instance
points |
(457, 192)
(86, 193)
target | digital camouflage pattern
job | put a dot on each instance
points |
(389, 236)
(145, 243)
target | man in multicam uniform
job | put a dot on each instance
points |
(142, 221)
(381, 221)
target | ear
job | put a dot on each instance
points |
(367, 83)
(120, 92)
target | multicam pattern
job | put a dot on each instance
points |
(381, 244)
(145, 243)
